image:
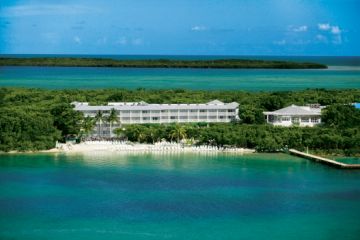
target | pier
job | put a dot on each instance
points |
(323, 160)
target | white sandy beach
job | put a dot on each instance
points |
(127, 147)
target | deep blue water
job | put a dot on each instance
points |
(179, 196)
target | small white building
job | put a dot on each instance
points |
(303, 116)
(145, 113)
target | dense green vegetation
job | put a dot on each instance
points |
(157, 63)
(261, 137)
(33, 119)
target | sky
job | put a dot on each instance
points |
(181, 27)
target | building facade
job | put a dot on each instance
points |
(142, 112)
(295, 116)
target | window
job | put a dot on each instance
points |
(193, 110)
(173, 117)
(155, 118)
(164, 111)
(231, 110)
(146, 118)
(155, 111)
(145, 111)
(295, 120)
(304, 119)
(212, 110)
(285, 119)
(202, 110)
(174, 111)
(314, 120)
(183, 110)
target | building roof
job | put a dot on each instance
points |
(216, 102)
(294, 110)
(145, 106)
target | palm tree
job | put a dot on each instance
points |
(153, 134)
(87, 125)
(112, 118)
(99, 118)
(178, 132)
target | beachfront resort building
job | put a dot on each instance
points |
(142, 112)
(295, 116)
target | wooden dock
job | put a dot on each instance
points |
(323, 160)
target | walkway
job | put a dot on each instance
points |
(326, 161)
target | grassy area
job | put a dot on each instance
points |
(157, 63)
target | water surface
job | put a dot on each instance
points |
(184, 196)
(343, 73)
(199, 79)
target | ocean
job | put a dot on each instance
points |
(343, 73)
(176, 196)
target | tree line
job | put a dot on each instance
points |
(158, 63)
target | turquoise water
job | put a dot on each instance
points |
(348, 160)
(344, 73)
(185, 196)
(207, 79)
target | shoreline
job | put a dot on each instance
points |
(129, 147)
(108, 147)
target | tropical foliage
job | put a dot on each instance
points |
(264, 138)
(157, 63)
(33, 119)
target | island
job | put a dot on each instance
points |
(36, 119)
(158, 63)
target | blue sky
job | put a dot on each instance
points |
(181, 27)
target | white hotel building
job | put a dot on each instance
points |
(142, 112)
(303, 116)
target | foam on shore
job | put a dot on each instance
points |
(127, 147)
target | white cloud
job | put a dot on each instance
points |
(45, 9)
(324, 26)
(137, 41)
(300, 29)
(335, 30)
(327, 27)
(334, 33)
(77, 40)
(337, 39)
(199, 28)
(281, 42)
(121, 41)
(321, 38)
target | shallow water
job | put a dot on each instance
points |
(199, 79)
(180, 196)
(343, 73)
